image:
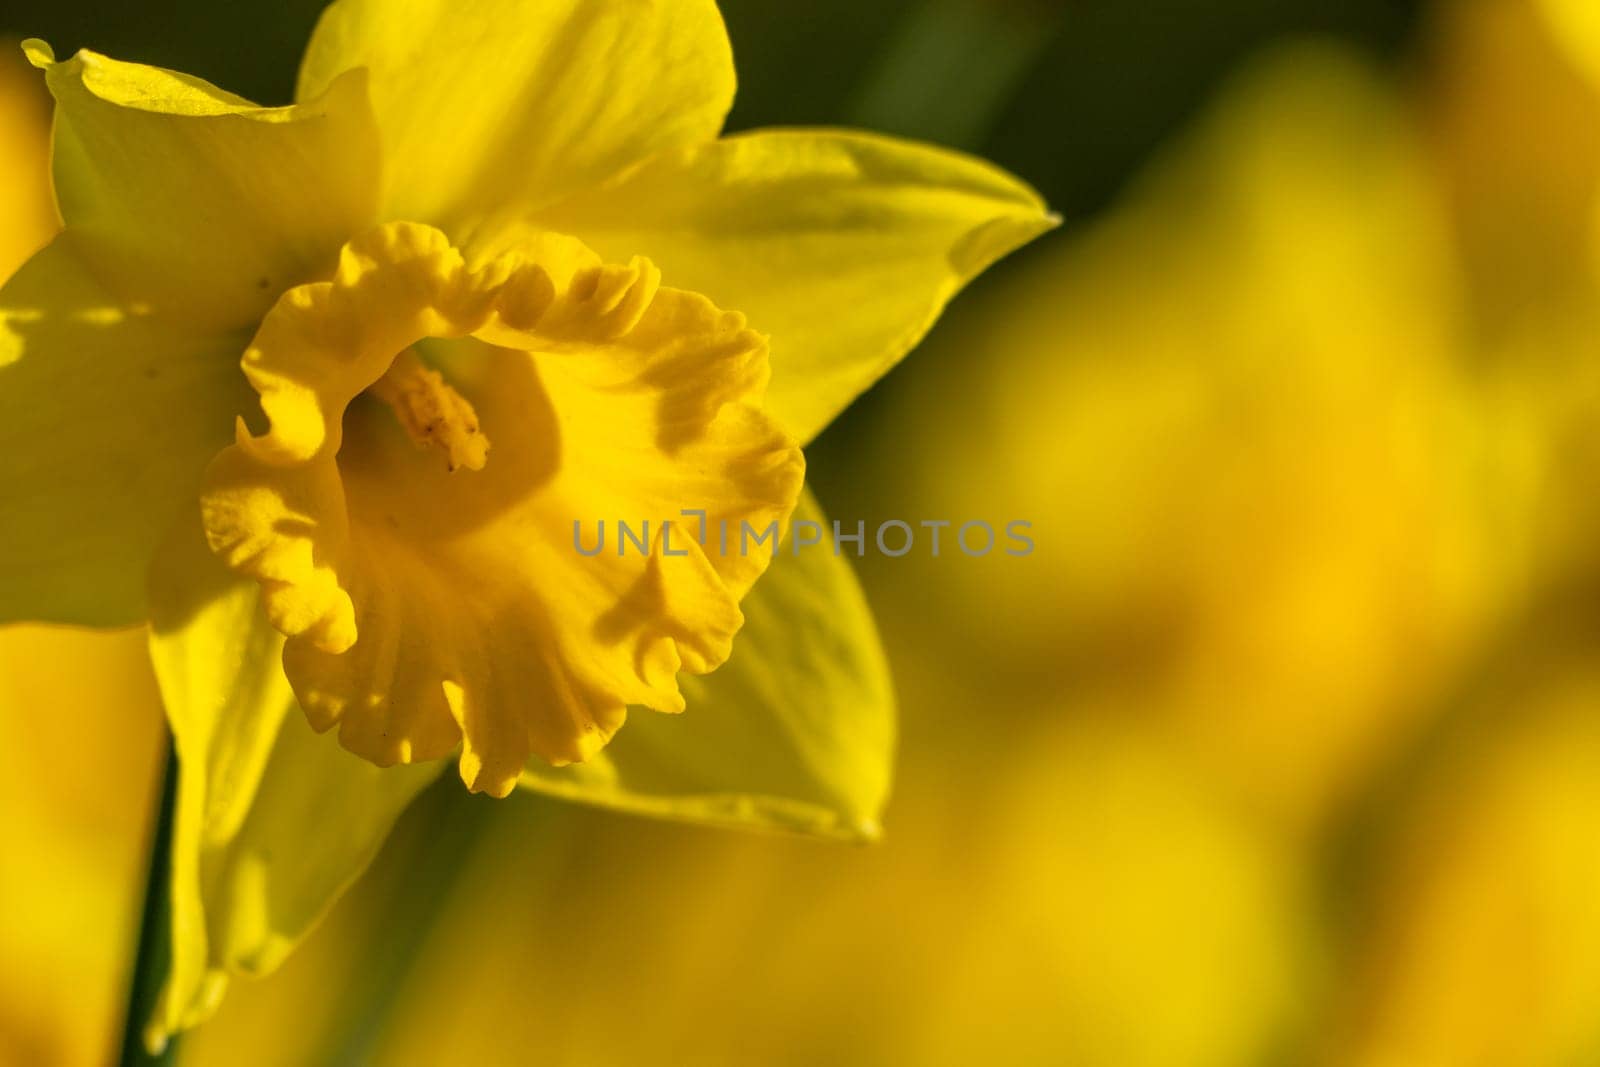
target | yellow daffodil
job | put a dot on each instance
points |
(321, 391)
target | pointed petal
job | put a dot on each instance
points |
(795, 732)
(483, 103)
(844, 247)
(197, 203)
(257, 859)
(107, 420)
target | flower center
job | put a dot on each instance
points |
(432, 413)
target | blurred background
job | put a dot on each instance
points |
(1282, 748)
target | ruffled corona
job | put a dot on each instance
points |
(428, 585)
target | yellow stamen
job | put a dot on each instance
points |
(431, 412)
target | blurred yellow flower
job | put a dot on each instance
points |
(27, 211)
(1235, 412)
(1477, 940)
(1312, 420)
(1137, 915)
(69, 875)
(441, 248)
(75, 830)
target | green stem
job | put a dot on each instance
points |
(155, 943)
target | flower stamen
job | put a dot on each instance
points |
(431, 412)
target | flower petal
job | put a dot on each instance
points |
(107, 420)
(256, 858)
(844, 247)
(197, 203)
(484, 103)
(795, 732)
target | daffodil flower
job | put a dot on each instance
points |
(319, 391)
